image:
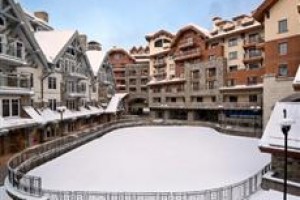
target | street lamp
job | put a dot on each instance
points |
(61, 111)
(221, 108)
(255, 110)
(285, 128)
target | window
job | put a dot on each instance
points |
(15, 107)
(5, 108)
(156, 100)
(232, 42)
(213, 99)
(233, 55)
(52, 104)
(196, 86)
(253, 65)
(51, 83)
(283, 26)
(212, 57)
(158, 43)
(230, 82)
(19, 49)
(10, 107)
(283, 48)
(253, 98)
(173, 100)
(233, 68)
(199, 99)
(2, 22)
(252, 80)
(233, 99)
(283, 70)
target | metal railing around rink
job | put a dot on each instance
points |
(29, 159)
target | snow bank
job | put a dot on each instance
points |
(155, 159)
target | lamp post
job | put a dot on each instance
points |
(285, 128)
(61, 111)
(221, 108)
(255, 110)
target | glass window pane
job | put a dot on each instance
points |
(15, 107)
(5, 108)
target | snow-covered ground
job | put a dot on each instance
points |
(155, 159)
(3, 195)
(271, 195)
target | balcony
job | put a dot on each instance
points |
(12, 54)
(253, 42)
(241, 105)
(189, 42)
(159, 73)
(189, 54)
(119, 69)
(160, 63)
(76, 92)
(203, 105)
(15, 83)
(76, 75)
(253, 56)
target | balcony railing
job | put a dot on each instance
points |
(12, 53)
(159, 63)
(182, 55)
(189, 42)
(250, 42)
(78, 92)
(241, 105)
(17, 83)
(253, 56)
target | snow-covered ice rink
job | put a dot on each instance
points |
(155, 159)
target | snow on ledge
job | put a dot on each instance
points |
(273, 137)
(174, 80)
(241, 87)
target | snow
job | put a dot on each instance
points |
(16, 122)
(3, 195)
(240, 87)
(155, 159)
(201, 29)
(271, 195)
(174, 80)
(297, 77)
(96, 58)
(273, 136)
(52, 42)
(114, 103)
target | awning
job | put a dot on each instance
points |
(34, 114)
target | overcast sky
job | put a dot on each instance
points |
(125, 23)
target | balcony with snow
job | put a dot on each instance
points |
(15, 83)
(272, 142)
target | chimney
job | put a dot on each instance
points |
(94, 46)
(83, 41)
(216, 20)
(42, 15)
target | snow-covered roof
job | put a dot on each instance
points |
(273, 137)
(115, 102)
(52, 42)
(201, 29)
(297, 77)
(14, 123)
(96, 59)
(237, 29)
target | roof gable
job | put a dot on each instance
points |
(53, 43)
(258, 14)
